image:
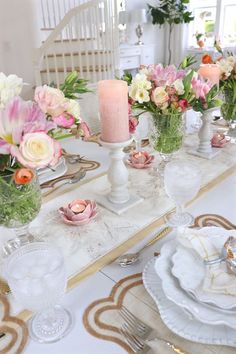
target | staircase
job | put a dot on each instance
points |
(85, 40)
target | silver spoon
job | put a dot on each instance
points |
(130, 258)
(76, 178)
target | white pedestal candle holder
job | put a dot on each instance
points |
(118, 199)
(205, 135)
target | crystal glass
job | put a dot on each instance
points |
(182, 181)
(166, 134)
(37, 278)
(228, 111)
(21, 203)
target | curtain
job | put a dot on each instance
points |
(179, 43)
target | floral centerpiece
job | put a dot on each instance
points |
(227, 65)
(166, 93)
(27, 141)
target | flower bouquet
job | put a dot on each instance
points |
(166, 93)
(27, 142)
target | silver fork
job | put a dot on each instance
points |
(141, 330)
(135, 343)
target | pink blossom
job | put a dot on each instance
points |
(200, 88)
(183, 104)
(64, 120)
(51, 100)
(86, 131)
(164, 76)
(133, 122)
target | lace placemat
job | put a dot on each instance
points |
(102, 320)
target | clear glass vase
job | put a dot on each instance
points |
(228, 111)
(20, 203)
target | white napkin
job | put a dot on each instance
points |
(209, 247)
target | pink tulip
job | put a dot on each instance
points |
(86, 133)
(133, 122)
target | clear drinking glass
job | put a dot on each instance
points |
(37, 278)
(182, 181)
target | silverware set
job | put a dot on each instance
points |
(136, 333)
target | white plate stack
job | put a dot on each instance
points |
(175, 280)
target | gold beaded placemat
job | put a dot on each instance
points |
(102, 320)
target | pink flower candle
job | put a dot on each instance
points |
(113, 107)
(210, 72)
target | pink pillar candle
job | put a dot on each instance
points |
(113, 107)
(210, 72)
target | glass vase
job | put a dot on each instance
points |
(20, 203)
(228, 111)
(166, 134)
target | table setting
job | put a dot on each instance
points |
(72, 206)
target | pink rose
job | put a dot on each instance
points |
(133, 122)
(51, 100)
(183, 104)
(37, 150)
(64, 120)
(160, 97)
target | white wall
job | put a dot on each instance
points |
(152, 34)
(18, 37)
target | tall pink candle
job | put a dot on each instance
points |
(210, 72)
(113, 107)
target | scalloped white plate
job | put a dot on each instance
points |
(176, 294)
(190, 271)
(178, 321)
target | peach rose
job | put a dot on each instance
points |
(160, 97)
(50, 100)
(37, 150)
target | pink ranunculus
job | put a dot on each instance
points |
(183, 104)
(64, 120)
(86, 133)
(133, 122)
(51, 100)
(200, 87)
(36, 150)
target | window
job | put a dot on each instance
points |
(213, 19)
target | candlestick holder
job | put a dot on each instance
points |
(118, 199)
(205, 135)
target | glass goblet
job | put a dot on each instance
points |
(37, 278)
(182, 181)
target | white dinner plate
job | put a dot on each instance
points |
(176, 294)
(190, 271)
(47, 174)
(178, 321)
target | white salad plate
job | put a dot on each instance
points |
(47, 174)
(190, 270)
(178, 321)
(180, 297)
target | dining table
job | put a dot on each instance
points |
(96, 282)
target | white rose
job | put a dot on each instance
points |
(73, 108)
(160, 97)
(179, 86)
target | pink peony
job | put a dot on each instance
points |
(64, 120)
(200, 87)
(37, 150)
(51, 100)
(183, 104)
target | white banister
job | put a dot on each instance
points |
(85, 40)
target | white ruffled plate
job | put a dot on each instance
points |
(176, 294)
(47, 174)
(190, 271)
(178, 321)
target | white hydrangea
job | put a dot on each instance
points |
(179, 86)
(10, 86)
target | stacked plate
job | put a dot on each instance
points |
(49, 173)
(175, 281)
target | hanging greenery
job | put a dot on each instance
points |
(171, 12)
